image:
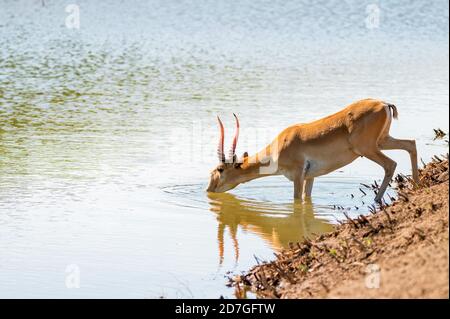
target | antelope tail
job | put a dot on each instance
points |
(394, 110)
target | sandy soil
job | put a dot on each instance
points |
(398, 251)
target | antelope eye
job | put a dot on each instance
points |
(220, 170)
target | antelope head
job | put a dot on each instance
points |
(228, 174)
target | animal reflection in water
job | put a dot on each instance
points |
(276, 224)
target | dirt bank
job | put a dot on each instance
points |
(398, 251)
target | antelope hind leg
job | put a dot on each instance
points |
(389, 168)
(390, 143)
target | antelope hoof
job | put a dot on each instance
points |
(378, 199)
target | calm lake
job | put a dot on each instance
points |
(108, 132)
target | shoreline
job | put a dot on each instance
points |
(398, 251)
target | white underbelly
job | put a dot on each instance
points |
(322, 166)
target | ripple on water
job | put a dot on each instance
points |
(331, 197)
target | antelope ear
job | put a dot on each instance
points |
(237, 165)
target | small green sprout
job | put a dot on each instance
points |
(368, 241)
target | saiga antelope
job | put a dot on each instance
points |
(304, 151)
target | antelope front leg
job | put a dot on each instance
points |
(298, 187)
(308, 186)
(299, 182)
